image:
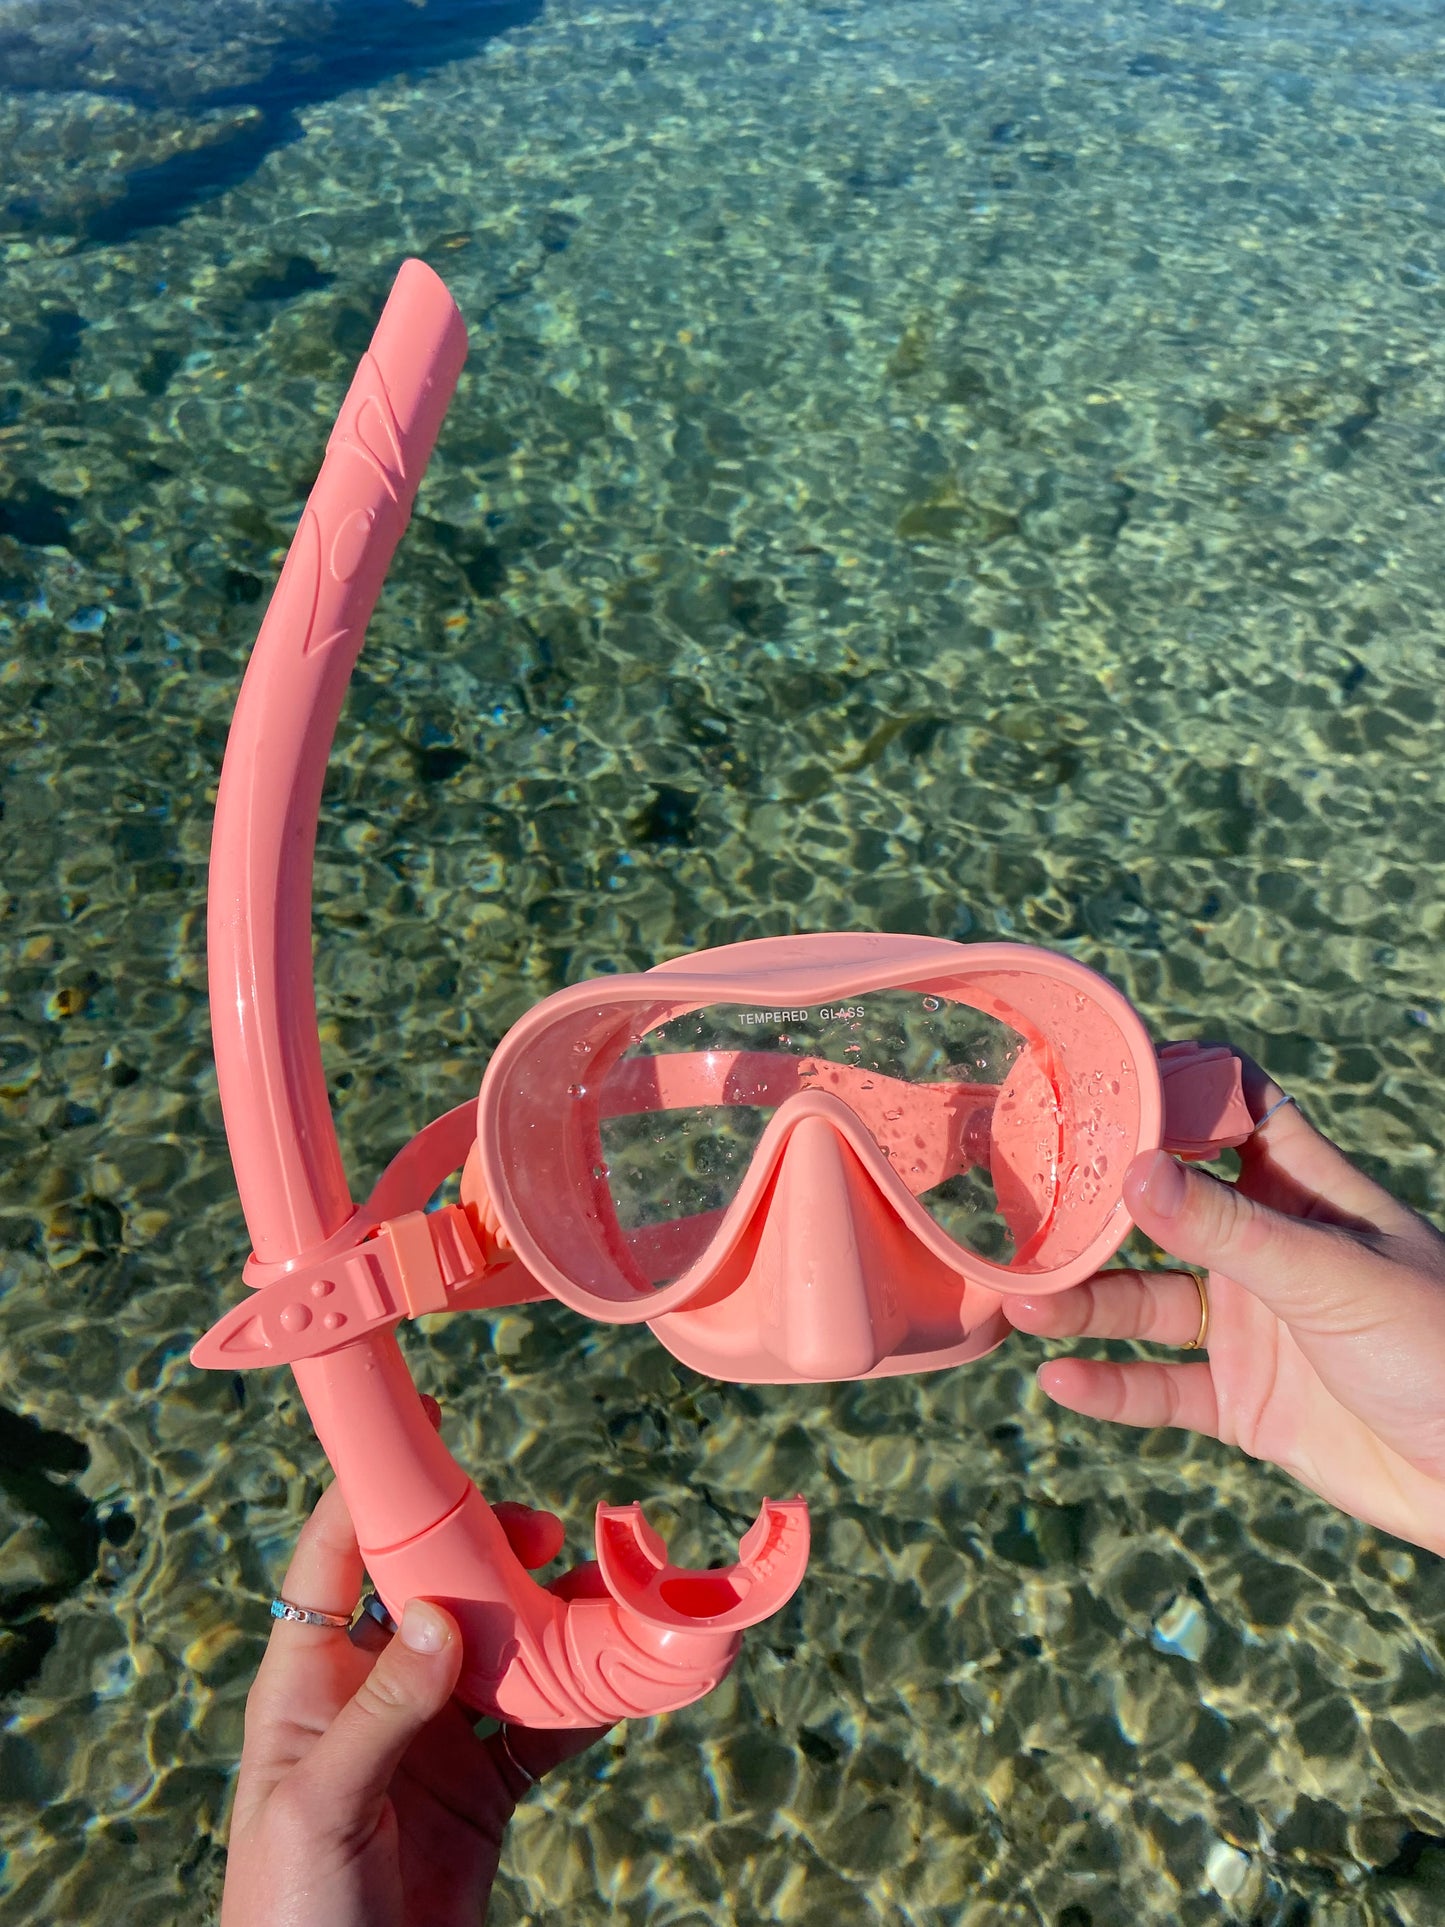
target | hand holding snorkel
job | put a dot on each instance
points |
(364, 1793)
(798, 1159)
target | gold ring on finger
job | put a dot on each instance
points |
(1196, 1343)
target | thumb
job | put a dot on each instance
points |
(1293, 1267)
(349, 1771)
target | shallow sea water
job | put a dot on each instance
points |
(957, 468)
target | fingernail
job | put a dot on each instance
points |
(1164, 1186)
(423, 1630)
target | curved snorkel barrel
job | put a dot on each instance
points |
(662, 1637)
(263, 1005)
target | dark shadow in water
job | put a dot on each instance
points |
(68, 1529)
(362, 46)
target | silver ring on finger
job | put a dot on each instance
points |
(1278, 1105)
(306, 1615)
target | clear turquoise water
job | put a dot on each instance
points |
(966, 469)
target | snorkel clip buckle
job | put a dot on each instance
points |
(405, 1267)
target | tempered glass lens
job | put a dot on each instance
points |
(681, 1112)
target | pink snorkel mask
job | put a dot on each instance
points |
(802, 1158)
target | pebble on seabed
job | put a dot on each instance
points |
(1181, 1628)
(1226, 1869)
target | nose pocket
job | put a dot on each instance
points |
(1023, 1154)
(827, 1269)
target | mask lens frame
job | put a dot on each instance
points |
(1075, 1101)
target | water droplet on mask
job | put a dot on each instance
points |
(1114, 1085)
(576, 1090)
(867, 1084)
(930, 1003)
(600, 1170)
(892, 1116)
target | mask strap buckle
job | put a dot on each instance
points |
(390, 1260)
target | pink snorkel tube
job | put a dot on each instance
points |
(663, 1637)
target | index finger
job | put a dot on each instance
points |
(1292, 1152)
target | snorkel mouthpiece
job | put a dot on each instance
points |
(331, 1280)
(637, 1572)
